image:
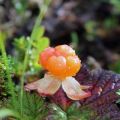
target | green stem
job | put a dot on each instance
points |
(37, 23)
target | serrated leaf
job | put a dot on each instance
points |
(34, 107)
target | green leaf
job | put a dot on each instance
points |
(43, 43)
(21, 43)
(75, 112)
(38, 33)
(7, 112)
(39, 46)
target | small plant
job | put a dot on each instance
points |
(34, 106)
(21, 105)
(61, 63)
(39, 82)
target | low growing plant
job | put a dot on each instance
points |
(58, 91)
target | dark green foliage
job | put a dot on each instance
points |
(34, 107)
(11, 66)
(4, 84)
(79, 113)
(74, 112)
(2, 69)
(57, 113)
(110, 23)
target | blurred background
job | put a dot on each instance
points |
(91, 27)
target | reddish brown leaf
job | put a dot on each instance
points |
(105, 84)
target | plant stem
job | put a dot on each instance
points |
(37, 23)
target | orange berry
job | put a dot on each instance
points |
(65, 50)
(57, 65)
(60, 61)
(44, 56)
(73, 65)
